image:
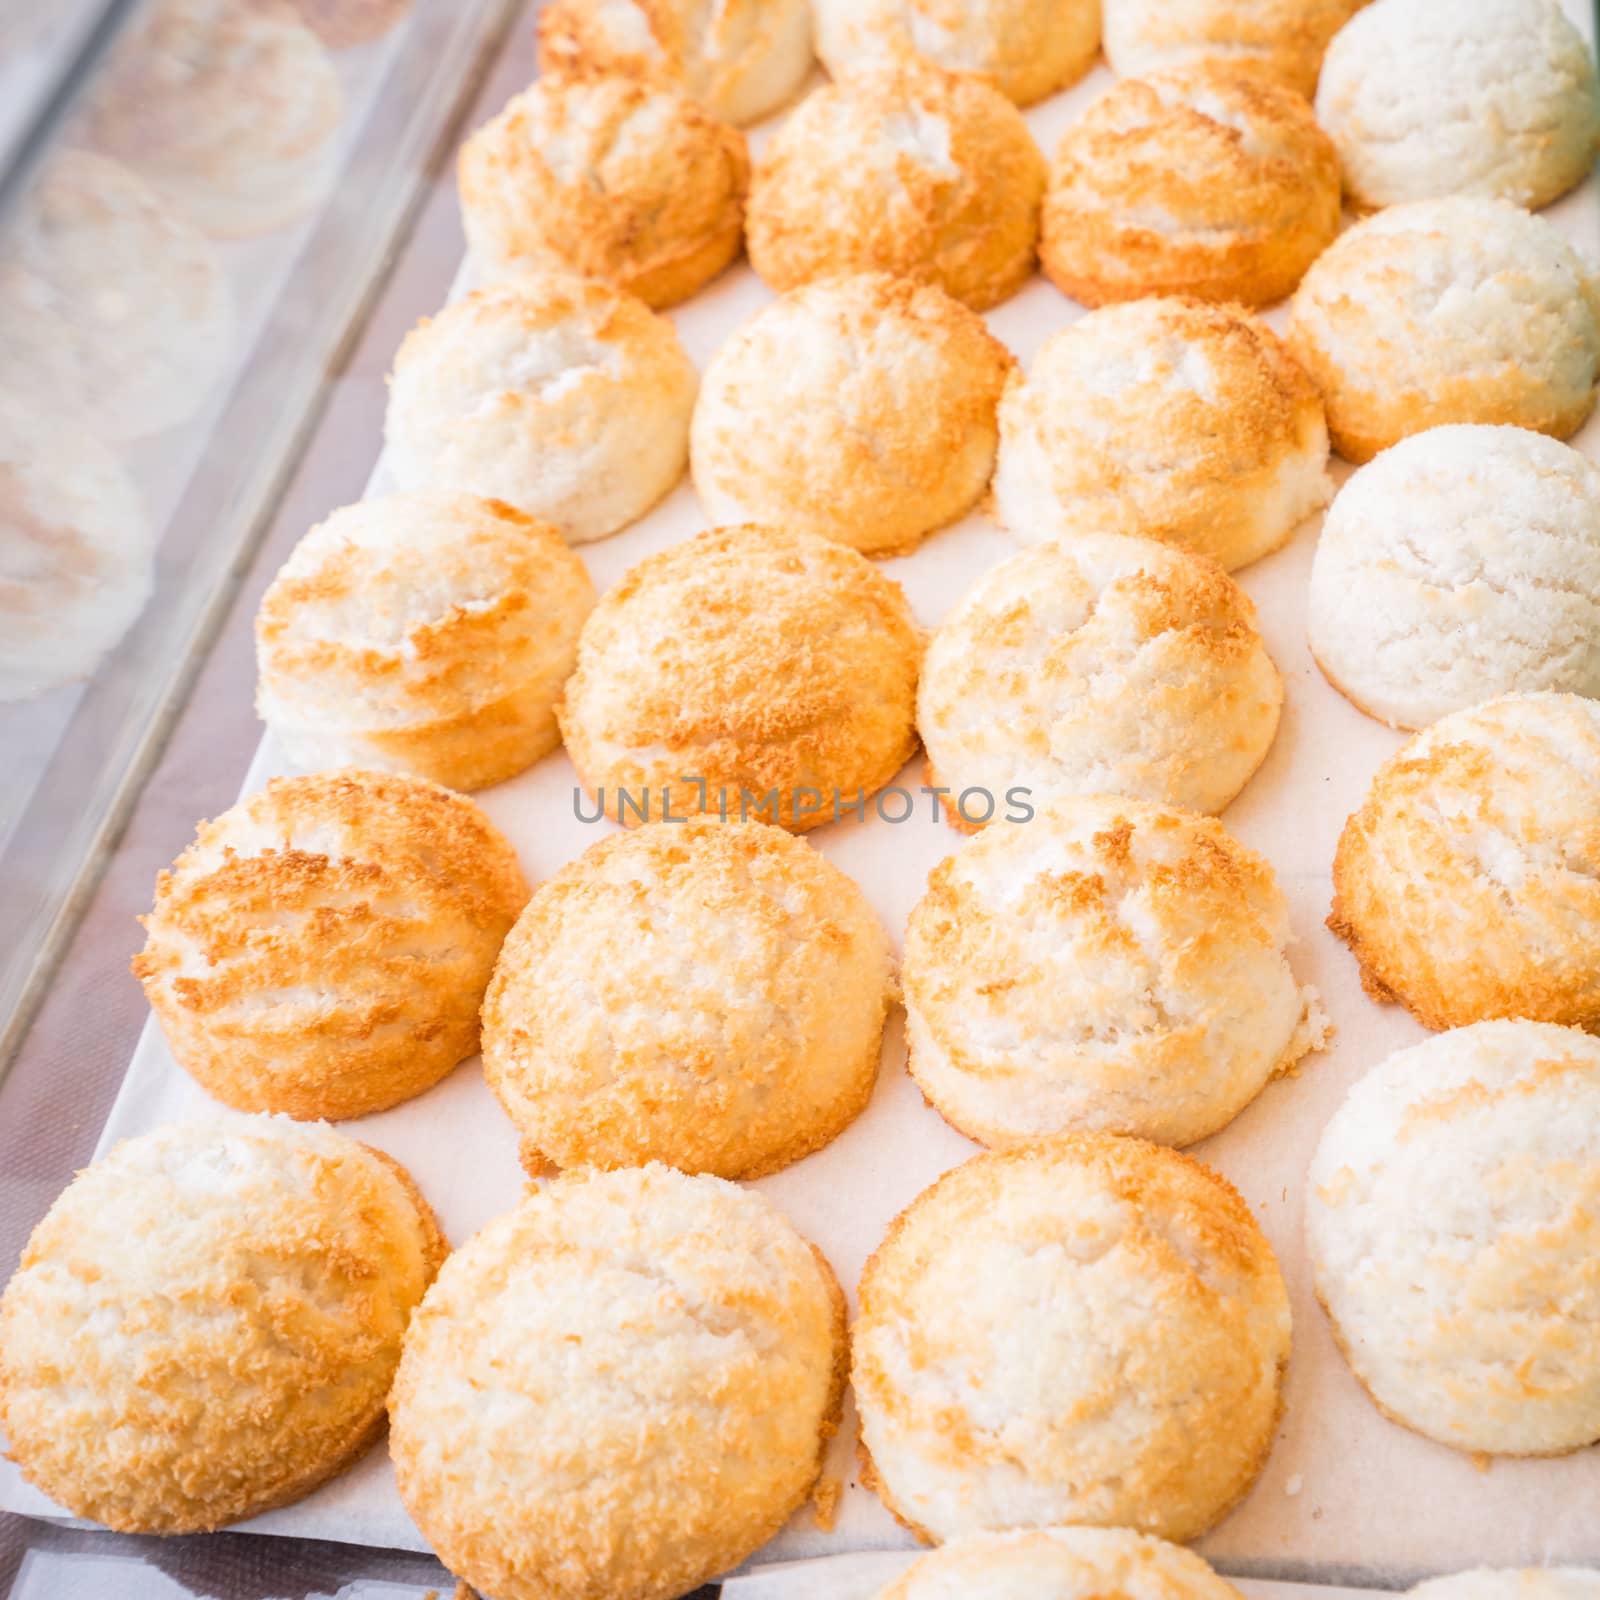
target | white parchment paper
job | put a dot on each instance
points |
(1345, 1495)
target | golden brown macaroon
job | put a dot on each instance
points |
(707, 994)
(750, 672)
(1171, 419)
(1026, 48)
(741, 59)
(862, 408)
(618, 1391)
(1468, 884)
(206, 1323)
(907, 169)
(1281, 40)
(322, 949)
(428, 633)
(608, 178)
(1194, 181)
(1086, 1330)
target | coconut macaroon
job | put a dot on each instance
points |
(1280, 40)
(1059, 1564)
(610, 178)
(1026, 48)
(753, 672)
(622, 1388)
(1490, 97)
(1461, 564)
(427, 633)
(1194, 181)
(564, 396)
(859, 408)
(1170, 419)
(1451, 1218)
(1112, 965)
(1103, 665)
(741, 59)
(905, 169)
(1468, 884)
(711, 995)
(1459, 310)
(1513, 1583)
(206, 1323)
(1087, 1330)
(230, 111)
(76, 548)
(122, 306)
(322, 949)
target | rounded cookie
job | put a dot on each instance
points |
(860, 408)
(322, 948)
(623, 1388)
(707, 994)
(1468, 884)
(1100, 665)
(751, 672)
(206, 1323)
(905, 169)
(1085, 1330)
(1451, 1219)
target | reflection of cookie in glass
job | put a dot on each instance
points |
(339, 24)
(117, 305)
(229, 108)
(75, 552)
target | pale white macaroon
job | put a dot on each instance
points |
(1060, 1564)
(1101, 665)
(1461, 564)
(620, 1389)
(741, 59)
(1459, 310)
(1283, 40)
(231, 109)
(1453, 1219)
(428, 633)
(1513, 1583)
(564, 396)
(76, 549)
(1169, 418)
(1026, 48)
(1084, 1330)
(861, 408)
(121, 305)
(206, 1323)
(1491, 97)
(1109, 965)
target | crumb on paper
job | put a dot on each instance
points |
(1295, 1484)
(465, 1591)
(825, 1501)
(1482, 1460)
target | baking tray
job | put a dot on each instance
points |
(1346, 1496)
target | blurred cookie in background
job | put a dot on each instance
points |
(76, 549)
(113, 301)
(230, 109)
